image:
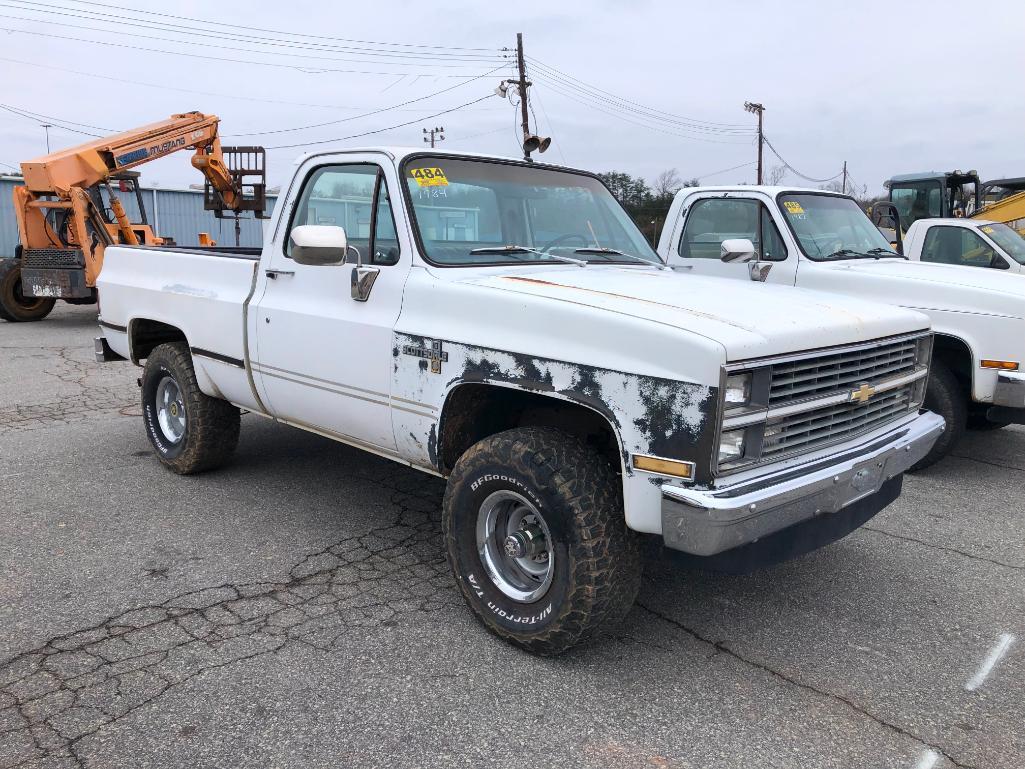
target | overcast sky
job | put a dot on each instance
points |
(891, 88)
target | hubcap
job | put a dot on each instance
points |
(170, 409)
(514, 545)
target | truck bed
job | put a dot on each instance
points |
(200, 291)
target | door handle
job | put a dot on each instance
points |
(273, 274)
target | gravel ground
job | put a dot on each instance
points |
(294, 610)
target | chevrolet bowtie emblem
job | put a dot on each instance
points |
(863, 394)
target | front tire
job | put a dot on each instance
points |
(191, 432)
(945, 397)
(537, 540)
(15, 307)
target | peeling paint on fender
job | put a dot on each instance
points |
(650, 415)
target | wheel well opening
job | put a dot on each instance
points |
(147, 335)
(472, 412)
(956, 356)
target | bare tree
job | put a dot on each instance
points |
(776, 174)
(667, 183)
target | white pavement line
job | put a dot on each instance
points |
(998, 651)
(928, 760)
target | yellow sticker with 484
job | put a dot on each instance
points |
(429, 177)
(793, 207)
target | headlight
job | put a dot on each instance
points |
(731, 445)
(738, 389)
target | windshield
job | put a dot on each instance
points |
(476, 212)
(832, 227)
(1010, 241)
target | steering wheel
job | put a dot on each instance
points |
(553, 243)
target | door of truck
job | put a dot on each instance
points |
(323, 359)
(708, 219)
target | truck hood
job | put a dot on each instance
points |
(748, 319)
(922, 285)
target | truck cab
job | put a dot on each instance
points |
(932, 194)
(966, 243)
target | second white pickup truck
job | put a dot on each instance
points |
(824, 241)
(505, 325)
(966, 243)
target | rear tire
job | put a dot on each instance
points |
(584, 572)
(15, 307)
(191, 432)
(946, 397)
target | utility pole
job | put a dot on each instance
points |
(843, 189)
(523, 84)
(757, 109)
(432, 132)
(46, 127)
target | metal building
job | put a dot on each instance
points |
(175, 213)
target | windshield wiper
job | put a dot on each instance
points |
(885, 252)
(527, 250)
(615, 252)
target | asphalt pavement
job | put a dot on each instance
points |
(294, 609)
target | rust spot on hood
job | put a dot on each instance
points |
(628, 297)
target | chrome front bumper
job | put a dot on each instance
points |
(1010, 390)
(706, 522)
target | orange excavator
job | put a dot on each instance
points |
(68, 212)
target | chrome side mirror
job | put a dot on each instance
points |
(363, 277)
(737, 250)
(318, 244)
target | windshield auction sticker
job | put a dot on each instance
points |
(429, 177)
(793, 207)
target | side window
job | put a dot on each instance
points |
(775, 249)
(713, 220)
(344, 196)
(956, 245)
(386, 239)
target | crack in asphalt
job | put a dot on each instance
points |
(989, 462)
(945, 549)
(85, 390)
(721, 647)
(55, 696)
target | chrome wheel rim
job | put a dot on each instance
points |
(514, 545)
(170, 410)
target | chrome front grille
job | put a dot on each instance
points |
(802, 403)
(810, 429)
(828, 373)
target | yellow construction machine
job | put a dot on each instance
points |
(68, 213)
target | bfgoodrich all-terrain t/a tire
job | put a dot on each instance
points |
(537, 540)
(945, 397)
(15, 307)
(190, 431)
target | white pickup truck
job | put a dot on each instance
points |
(966, 243)
(506, 326)
(824, 241)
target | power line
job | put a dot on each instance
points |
(380, 130)
(279, 65)
(367, 114)
(642, 113)
(658, 129)
(276, 32)
(220, 95)
(725, 170)
(120, 22)
(36, 119)
(793, 170)
(201, 44)
(41, 116)
(589, 87)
